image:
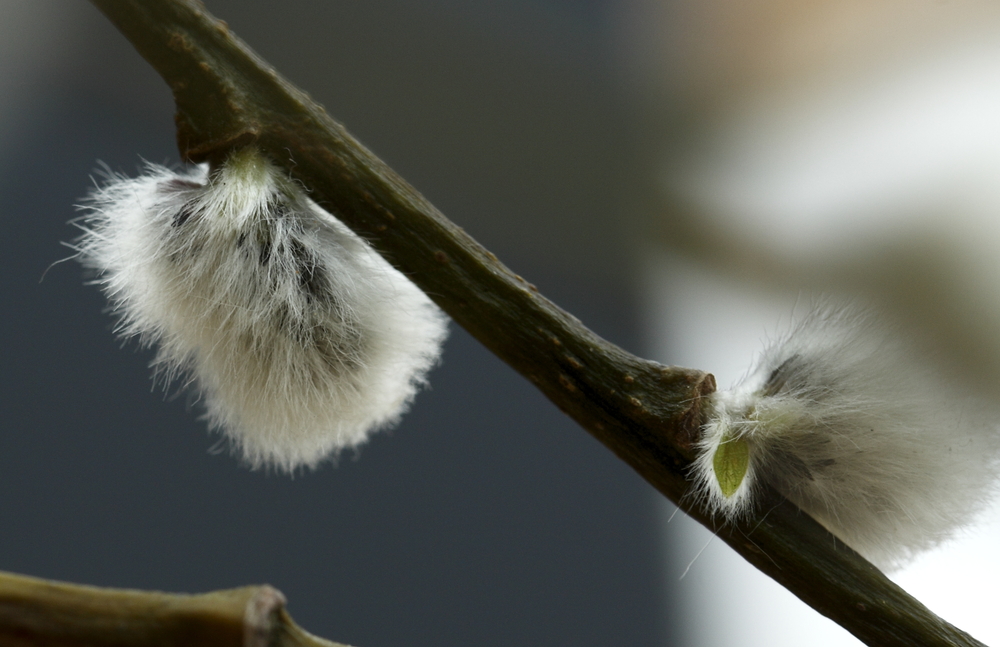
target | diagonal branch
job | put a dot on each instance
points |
(646, 413)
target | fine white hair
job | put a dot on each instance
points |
(846, 420)
(300, 339)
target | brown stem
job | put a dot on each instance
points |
(35, 612)
(645, 413)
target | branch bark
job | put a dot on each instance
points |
(35, 612)
(646, 413)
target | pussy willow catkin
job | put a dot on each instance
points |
(299, 338)
(843, 419)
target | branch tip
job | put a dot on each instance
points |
(261, 617)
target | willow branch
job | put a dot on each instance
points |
(35, 612)
(646, 413)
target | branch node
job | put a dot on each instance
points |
(689, 429)
(260, 617)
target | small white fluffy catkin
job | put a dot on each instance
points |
(843, 419)
(300, 338)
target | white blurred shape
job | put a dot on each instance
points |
(850, 165)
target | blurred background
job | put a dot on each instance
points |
(677, 173)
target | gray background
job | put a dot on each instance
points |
(487, 517)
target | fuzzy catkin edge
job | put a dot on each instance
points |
(299, 338)
(846, 420)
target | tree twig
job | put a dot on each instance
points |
(645, 413)
(35, 612)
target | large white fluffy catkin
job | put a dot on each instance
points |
(300, 339)
(843, 418)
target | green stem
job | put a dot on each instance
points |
(51, 614)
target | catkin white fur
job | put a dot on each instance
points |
(299, 338)
(845, 421)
